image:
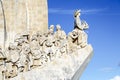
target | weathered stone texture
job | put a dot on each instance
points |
(23, 15)
(43, 55)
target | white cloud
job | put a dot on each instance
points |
(60, 11)
(93, 11)
(106, 69)
(71, 11)
(116, 78)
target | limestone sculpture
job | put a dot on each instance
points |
(60, 56)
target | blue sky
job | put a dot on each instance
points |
(103, 17)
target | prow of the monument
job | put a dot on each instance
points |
(31, 51)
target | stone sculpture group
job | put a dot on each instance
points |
(28, 52)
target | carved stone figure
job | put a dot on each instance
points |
(34, 42)
(36, 54)
(72, 40)
(21, 40)
(60, 38)
(77, 22)
(77, 38)
(11, 62)
(13, 53)
(63, 49)
(44, 58)
(49, 47)
(42, 38)
(37, 42)
(25, 59)
(51, 30)
(59, 34)
(79, 27)
(49, 42)
(39, 38)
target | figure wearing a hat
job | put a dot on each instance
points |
(77, 22)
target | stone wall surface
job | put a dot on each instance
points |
(23, 15)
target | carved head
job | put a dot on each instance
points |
(58, 27)
(52, 27)
(77, 13)
(51, 30)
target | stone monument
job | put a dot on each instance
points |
(31, 51)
